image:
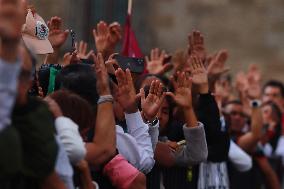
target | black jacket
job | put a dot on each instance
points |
(218, 143)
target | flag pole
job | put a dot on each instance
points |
(129, 10)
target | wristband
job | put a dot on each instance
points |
(152, 123)
(105, 98)
(255, 103)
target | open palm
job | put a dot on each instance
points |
(151, 104)
(56, 36)
(182, 86)
(155, 62)
(125, 91)
(196, 45)
(198, 71)
(217, 64)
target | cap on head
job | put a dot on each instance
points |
(35, 34)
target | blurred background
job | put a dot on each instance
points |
(251, 30)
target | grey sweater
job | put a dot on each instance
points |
(195, 149)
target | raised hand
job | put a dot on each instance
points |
(155, 63)
(241, 82)
(216, 65)
(101, 75)
(125, 91)
(56, 36)
(182, 85)
(112, 64)
(101, 36)
(151, 104)
(199, 74)
(196, 45)
(253, 78)
(71, 58)
(115, 33)
(106, 37)
(82, 50)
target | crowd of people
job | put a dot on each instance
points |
(84, 121)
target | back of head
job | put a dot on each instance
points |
(79, 79)
(75, 107)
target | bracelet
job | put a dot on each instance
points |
(152, 123)
(105, 98)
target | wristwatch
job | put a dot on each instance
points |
(255, 103)
(152, 123)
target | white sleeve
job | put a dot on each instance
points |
(8, 90)
(139, 150)
(240, 159)
(280, 148)
(70, 137)
(154, 134)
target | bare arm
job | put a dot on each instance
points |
(53, 182)
(271, 179)
(249, 141)
(164, 155)
(103, 146)
(85, 175)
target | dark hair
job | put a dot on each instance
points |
(43, 76)
(275, 110)
(75, 107)
(275, 83)
(80, 79)
(142, 78)
(235, 102)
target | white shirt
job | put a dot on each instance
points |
(71, 139)
(240, 159)
(63, 167)
(137, 145)
(280, 148)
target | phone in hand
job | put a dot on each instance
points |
(73, 38)
(135, 65)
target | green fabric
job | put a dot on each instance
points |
(11, 152)
(52, 75)
(35, 125)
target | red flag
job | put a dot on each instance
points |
(130, 45)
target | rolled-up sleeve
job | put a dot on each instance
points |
(8, 90)
(195, 150)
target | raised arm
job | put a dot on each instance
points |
(57, 37)
(106, 37)
(103, 147)
(208, 113)
(150, 106)
(195, 149)
(139, 144)
(249, 141)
